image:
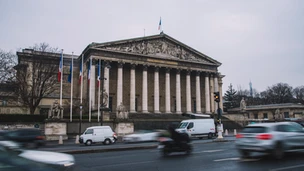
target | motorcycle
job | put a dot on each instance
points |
(167, 146)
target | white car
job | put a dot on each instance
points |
(56, 159)
(141, 135)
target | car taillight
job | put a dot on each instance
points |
(264, 137)
(40, 137)
(239, 136)
(114, 135)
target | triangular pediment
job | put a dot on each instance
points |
(161, 46)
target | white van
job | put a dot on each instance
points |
(98, 134)
(198, 128)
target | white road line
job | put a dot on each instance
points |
(287, 168)
(227, 159)
(207, 151)
(122, 164)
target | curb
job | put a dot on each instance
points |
(108, 149)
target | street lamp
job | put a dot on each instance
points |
(103, 106)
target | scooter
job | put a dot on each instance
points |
(167, 146)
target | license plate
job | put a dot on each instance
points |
(160, 146)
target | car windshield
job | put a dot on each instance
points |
(254, 129)
(183, 125)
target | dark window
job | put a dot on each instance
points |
(175, 105)
(136, 103)
(254, 129)
(190, 125)
(255, 116)
(194, 106)
(286, 114)
(4, 103)
(265, 115)
(110, 103)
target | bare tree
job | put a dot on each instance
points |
(36, 76)
(7, 61)
(298, 93)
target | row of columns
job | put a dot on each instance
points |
(211, 85)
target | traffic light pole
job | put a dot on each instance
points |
(219, 115)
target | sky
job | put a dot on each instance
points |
(261, 41)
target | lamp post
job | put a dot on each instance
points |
(103, 107)
(80, 119)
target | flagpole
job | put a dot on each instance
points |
(90, 94)
(81, 86)
(71, 107)
(61, 78)
(98, 89)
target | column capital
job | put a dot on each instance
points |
(156, 68)
(145, 67)
(168, 70)
(120, 64)
(188, 72)
(178, 70)
(107, 64)
(133, 65)
(198, 73)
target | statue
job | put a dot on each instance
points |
(278, 115)
(243, 104)
(121, 112)
(105, 97)
(55, 110)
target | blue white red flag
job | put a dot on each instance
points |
(159, 25)
(70, 75)
(98, 76)
(60, 67)
(80, 72)
(89, 71)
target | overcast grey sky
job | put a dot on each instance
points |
(257, 40)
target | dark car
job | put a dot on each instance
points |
(31, 138)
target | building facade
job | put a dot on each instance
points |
(153, 74)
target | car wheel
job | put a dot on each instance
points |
(88, 143)
(209, 135)
(165, 152)
(278, 151)
(107, 142)
(244, 153)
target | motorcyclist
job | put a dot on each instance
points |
(179, 138)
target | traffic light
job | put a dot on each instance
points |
(216, 96)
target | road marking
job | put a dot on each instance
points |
(227, 159)
(207, 151)
(249, 160)
(122, 164)
(287, 168)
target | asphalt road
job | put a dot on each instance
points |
(213, 156)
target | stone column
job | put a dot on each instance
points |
(168, 95)
(145, 90)
(132, 89)
(207, 94)
(178, 93)
(106, 82)
(156, 90)
(188, 93)
(216, 89)
(221, 92)
(198, 93)
(119, 84)
(211, 93)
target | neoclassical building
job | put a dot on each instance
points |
(152, 74)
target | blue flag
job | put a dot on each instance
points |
(70, 75)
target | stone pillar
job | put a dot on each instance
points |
(211, 93)
(221, 92)
(198, 93)
(132, 89)
(119, 84)
(145, 90)
(168, 94)
(178, 93)
(216, 89)
(106, 82)
(156, 90)
(207, 94)
(188, 93)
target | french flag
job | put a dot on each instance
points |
(60, 68)
(89, 71)
(80, 72)
(159, 25)
(98, 77)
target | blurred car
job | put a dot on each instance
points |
(141, 136)
(56, 160)
(273, 138)
(9, 161)
(31, 138)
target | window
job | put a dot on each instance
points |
(265, 115)
(110, 103)
(255, 116)
(190, 125)
(89, 131)
(194, 106)
(4, 103)
(136, 103)
(286, 114)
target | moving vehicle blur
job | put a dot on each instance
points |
(197, 128)
(273, 138)
(58, 161)
(29, 137)
(141, 136)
